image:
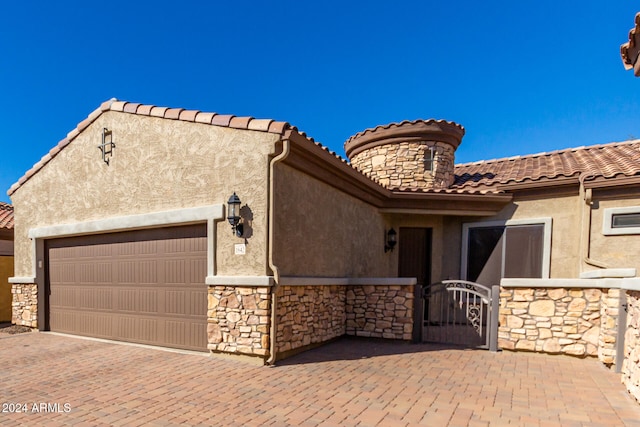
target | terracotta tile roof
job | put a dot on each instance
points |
(630, 50)
(6, 216)
(248, 123)
(400, 125)
(597, 161)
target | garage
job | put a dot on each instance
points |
(143, 286)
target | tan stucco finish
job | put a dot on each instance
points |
(615, 251)
(322, 231)
(565, 235)
(157, 165)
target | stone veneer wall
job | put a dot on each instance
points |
(380, 311)
(239, 319)
(309, 315)
(24, 307)
(631, 365)
(402, 165)
(609, 309)
(577, 322)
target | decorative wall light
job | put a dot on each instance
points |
(234, 214)
(391, 240)
(107, 145)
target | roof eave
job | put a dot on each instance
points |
(460, 204)
(316, 161)
(529, 184)
(617, 181)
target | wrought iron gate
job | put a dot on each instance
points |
(462, 313)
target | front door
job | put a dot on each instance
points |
(415, 261)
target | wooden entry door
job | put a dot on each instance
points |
(414, 247)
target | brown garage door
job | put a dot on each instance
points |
(144, 286)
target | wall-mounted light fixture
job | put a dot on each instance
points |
(107, 145)
(391, 240)
(233, 208)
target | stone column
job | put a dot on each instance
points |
(24, 305)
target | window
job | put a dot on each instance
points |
(618, 221)
(625, 220)
(506, 249)
(429, 159)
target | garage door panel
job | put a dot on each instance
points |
(145, 272)
(150, 289)
(138, 329)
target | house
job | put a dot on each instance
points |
(630, 50)
(243, 236)
(6, 260)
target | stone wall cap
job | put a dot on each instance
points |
(417, 130)
(631, 284)
(612, 273)
(22, 280)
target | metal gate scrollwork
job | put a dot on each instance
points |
(461, 313)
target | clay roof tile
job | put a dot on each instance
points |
(221, 119)
(630, 50)
(240, 122)
(158, 111)
(204, 118)
(173, 113)
(144, 110)
(117, 106)
(599, 161)
(6, 216)
(131, 107)
(188, 115)
(260, 124)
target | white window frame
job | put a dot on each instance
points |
(607, 228)
(547, 222)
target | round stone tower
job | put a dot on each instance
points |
(416, 155)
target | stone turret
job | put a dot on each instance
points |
(416, 155)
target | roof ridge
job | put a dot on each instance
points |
(197, 116)
(182, 114)
(549, 153)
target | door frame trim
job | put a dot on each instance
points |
(210, 214)
(547, 222)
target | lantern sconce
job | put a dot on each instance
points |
(391, 240)
(233, 208)
(107, 145)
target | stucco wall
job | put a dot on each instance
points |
(6, 271)
(565, 234)
(322, 231)
(157, 165)
(615, 251)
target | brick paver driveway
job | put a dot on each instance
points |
(73, 381)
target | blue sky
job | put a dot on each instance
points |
(522, 77)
